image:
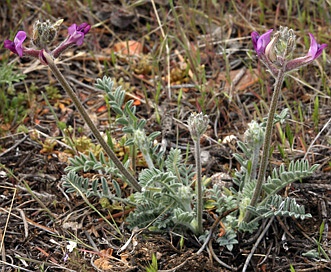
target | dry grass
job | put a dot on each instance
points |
(197, 56)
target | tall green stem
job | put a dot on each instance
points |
(198, 185)
(267, 141)
(130, 179)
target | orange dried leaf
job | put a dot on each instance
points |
(62, 107)
(130, 48)
(245, 81)
(102, 108)
(103, 264)
(137, 103)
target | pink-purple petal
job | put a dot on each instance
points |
(10, 45)
(18, 41)
(16, 46)
(72, 29)
(20, 36)
(314, 52)
(313, 46)
(84, 28)
(77, 33)
(261, 42)
(320, 50)
(79, 38)
(255, 36)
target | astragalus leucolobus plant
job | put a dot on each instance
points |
(169, 193)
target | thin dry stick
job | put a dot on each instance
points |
(19, 268)
(25, 223)
(9, 213)
(130, 179)
(26, 185)
(213, 228)
(317, 136)
(249, 257)
(178, 266)
(3, 251)
(166, 46)
(211, 250)
(15, 145)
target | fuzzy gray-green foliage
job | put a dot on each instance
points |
(165, 194)
(167, 199)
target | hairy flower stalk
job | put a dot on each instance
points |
(276, 54)
(43, 35)
(130, 179)
(197, 124)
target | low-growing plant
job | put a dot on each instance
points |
(13, 105)
(169, 193)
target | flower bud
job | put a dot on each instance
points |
(44, 33)
(281, 46)
(254, 135)
(197, 124)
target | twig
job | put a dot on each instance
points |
(25, 223)
(178, 266)
(15, 145)
(249, 257)
(18, 267)
(213, 228)
(317, 136)
(3, 234)
(3, 251)
(38, 200)
(166, 46)
(217, 259)
(89, 238)
(266, 255)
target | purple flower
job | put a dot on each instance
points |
(76, 36)
(276, 51)
(16, 46)
(260, 42)
(315, 49)
(77, 33)
(314, 52)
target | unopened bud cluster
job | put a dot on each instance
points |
(281, 46)
(197, 124)
(254, 135)
(44, 33)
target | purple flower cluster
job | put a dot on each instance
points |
(75, 36)
(265, 49)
